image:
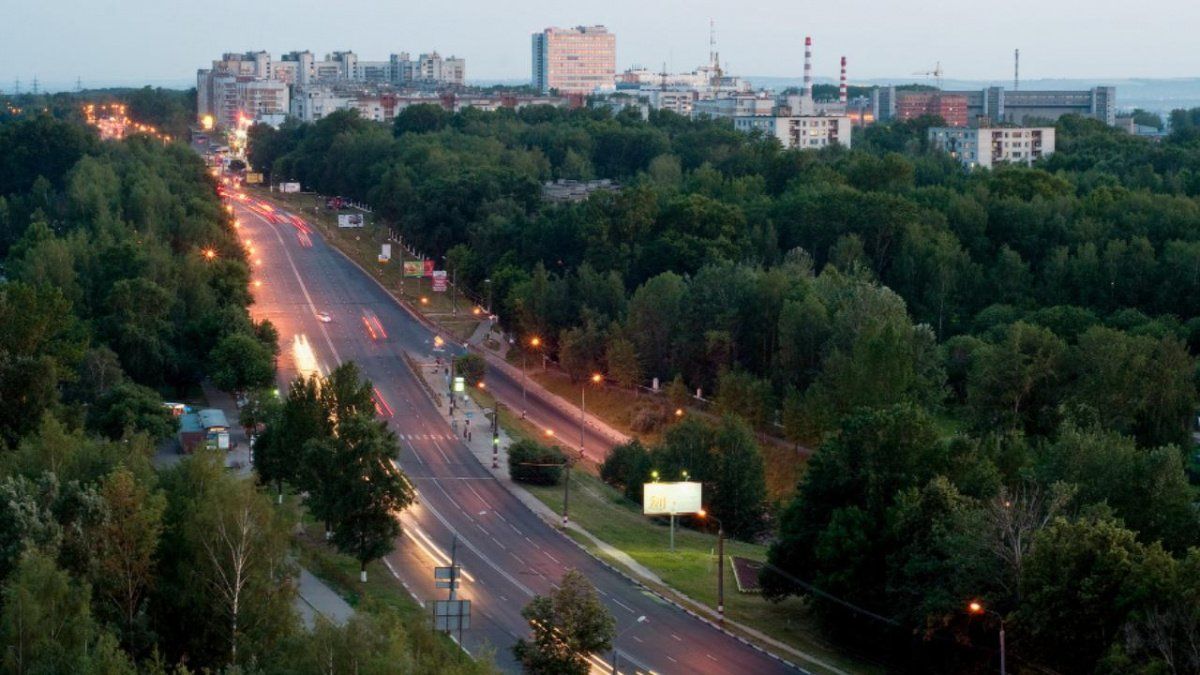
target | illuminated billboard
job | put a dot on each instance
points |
(660, 499)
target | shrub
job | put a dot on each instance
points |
(530, 462)
(471, 367)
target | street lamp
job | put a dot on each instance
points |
(597, 378)
(209, 254)
(976, 607)
(534, 342)
(617, 655)
(720, 564)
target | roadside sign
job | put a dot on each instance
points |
(460, 384)
(670, 498)
(427, 267)
(413, 268)
(439, 281)
(452, 615)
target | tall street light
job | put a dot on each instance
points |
(597, 378)
(976, 607)
(616, 654)
(720, 564)
(534, 342)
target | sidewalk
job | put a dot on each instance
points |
(314, 598)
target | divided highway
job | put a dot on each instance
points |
(507, 553)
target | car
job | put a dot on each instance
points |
(324, 317)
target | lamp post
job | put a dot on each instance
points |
(976, 607)
(597, 378)
(720, 565)
(534, 342)
(617, 655)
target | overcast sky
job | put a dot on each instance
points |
(135, 41)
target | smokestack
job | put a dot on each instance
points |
(842, 90)
(808, 67)
(1016, 69)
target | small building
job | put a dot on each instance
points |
(207, 428)
(990, 146)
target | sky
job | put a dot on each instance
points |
(163, 42)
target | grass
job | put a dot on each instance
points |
(363, 246)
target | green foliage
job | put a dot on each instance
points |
(627, 466)
(131, 408)
(531, 462)
(740, 495)
(567, 625)
(240, 361)
(471, 367)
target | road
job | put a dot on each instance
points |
(507, 553)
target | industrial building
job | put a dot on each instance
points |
(994, 105)
(580, 60)
(989, 146)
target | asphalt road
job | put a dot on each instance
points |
(507, 553)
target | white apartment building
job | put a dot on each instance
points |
(744, 105)
(989, 146)
(805, 132)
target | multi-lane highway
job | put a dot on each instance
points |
(507, 553)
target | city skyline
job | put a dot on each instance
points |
(1058, 40)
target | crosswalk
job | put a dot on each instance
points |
(428, 437)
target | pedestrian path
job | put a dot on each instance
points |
(314, 598)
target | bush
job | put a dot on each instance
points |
(624, 463)
(530, 462)
(647, 418)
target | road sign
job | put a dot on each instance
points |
(451, 615)
(447, 577)
(460, 384)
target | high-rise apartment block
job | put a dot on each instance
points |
(580, 60)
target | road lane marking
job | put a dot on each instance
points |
(629, 609)
(677, 637)
(556, 562)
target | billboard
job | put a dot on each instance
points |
(429, 268)
(253, 178)
(414, 268)
(289, 187)
(439, 281)
(350, 220)
(385, 252)
(659, 499)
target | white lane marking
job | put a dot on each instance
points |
(629, 609)
(502, 546)
(712, 657)
(638, 639)
(670, 659)
(551, 557)
(476, 493)
(676, 637)
(440, 451)
(303, 289)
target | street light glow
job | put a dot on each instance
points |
(209, 254)
(975, 607)
(597, 378)
(549, 433)
(535, 342)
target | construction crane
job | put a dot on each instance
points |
(936, 73)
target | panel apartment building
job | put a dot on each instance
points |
(987, 147)
(580, 60)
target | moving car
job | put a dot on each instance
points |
(324, 317)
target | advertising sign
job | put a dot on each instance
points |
(385, 252)
(414, 268)
(439, 281)
(289, 187)
(428, 268)
(253, 178)
(350, 220)
(460, 384)
(660, 499)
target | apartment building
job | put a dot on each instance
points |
(990, 146)
(803, 132)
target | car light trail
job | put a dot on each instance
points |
(304, 357)
(381, 405)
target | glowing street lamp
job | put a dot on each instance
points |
(977, 608)
(720, 561)
(209, 254)
(534, 342)
(596, 378)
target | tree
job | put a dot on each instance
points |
(623, 365)
(241, 361)
(1073, 591)
(1015, 381)
(124, 545)
(741, 487)
(567, 625)
(27, 518)
(127, 407)
(371, 491)
(279, 450)
(471, 367)
(46, 624)
(242, 561)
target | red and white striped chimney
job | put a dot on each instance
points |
(842, 90)
(808, 67)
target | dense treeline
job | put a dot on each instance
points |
(868, 300)
(109, 304)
